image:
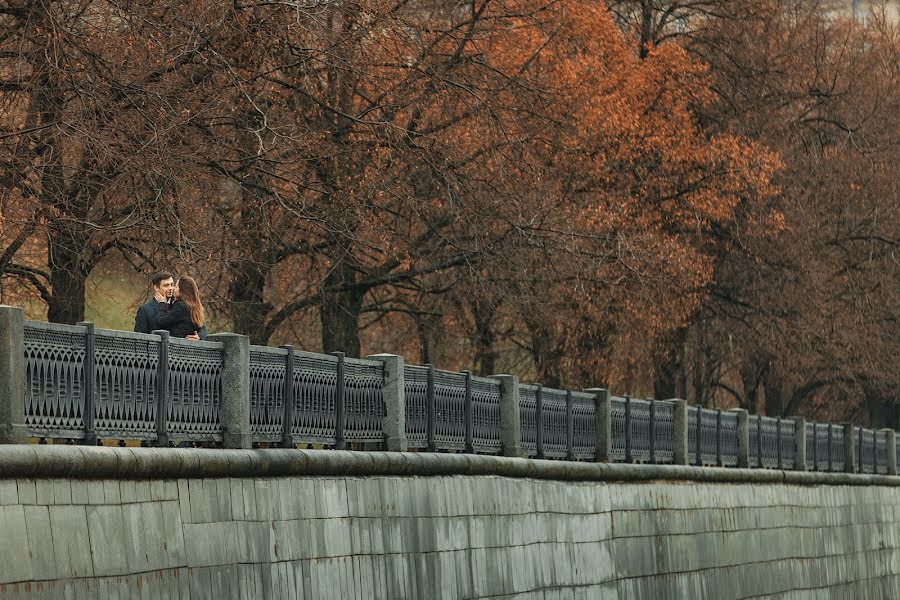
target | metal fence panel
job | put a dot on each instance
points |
(54, 380)
(486, 415)
(268, 368)
(450, 410)
(126, 369)
(729, 439)
(584, 427)
(865, 445)
(554, 423)
(703, 433)
(881, 459)
(195, 390)
(315, 384)
(415, 381)
(528, 418)
(364, 400)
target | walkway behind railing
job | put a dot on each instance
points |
(85, 384)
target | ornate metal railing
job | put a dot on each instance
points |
(83, 383)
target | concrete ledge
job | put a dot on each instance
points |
(89, 462)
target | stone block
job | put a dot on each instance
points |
(142, 490)
(79, 492)
(27, 491)
(127, 491)
(96, 493)
(14, 549)
(111, 492)
(9, 492)
(107, 530)
(40, 535)
(173, 533)
(43, 491)
(137, 535)
(262, 491)
(72, 541)
(184, 500)
(236, 491)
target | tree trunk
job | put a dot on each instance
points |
(68, 274)
(339, 313)
(485, 355)
(247, 306)
(774, 396)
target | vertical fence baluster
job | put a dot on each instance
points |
(759, 457)
(470, 446)
(778, 440)
(859, 461)
(628, 456)
(815, 427)
(287, 426)
(89, 389)
(429, 409)
(719, 437)
(829, 447)
(570, 427)
(652, 431)
(697, 433)
(339, 408)
(162, 390)
(539, 420)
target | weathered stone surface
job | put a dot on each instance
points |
(626, 531)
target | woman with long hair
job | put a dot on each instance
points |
(186, 315)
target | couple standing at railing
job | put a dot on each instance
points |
(175, 307)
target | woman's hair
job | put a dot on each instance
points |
(187, 287)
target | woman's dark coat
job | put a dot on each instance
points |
(176, 318)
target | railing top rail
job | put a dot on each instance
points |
(196, 343)
(269, 350)
(55, 327)
(127, 335)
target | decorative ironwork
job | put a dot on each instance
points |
(486, 415)
(706, 434)
(325, 399)
(54, 380)
(267, 377)
(315, 383)
(126, 366)
(553, 422)
(415, 386)
(866, 449)
(363, 400)
(450, 410)
(195, 390)
(881, 449)
(584, 426)
(528, 417)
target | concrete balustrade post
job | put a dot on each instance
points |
(394, 393)
(799, 443)
(234, 413)
(510, 418)
(891, 441)
(849, 448)
(603, 423)
(743, 437)
(680, 425)
(12, 375)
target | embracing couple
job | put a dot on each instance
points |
(175, 307)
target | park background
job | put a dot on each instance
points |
(670, 198)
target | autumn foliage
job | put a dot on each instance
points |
(551, 188)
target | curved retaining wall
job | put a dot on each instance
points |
(85, 522)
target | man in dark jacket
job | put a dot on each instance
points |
(163, 286)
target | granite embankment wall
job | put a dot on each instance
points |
(80, 522)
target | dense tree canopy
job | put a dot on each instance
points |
(692, 198)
